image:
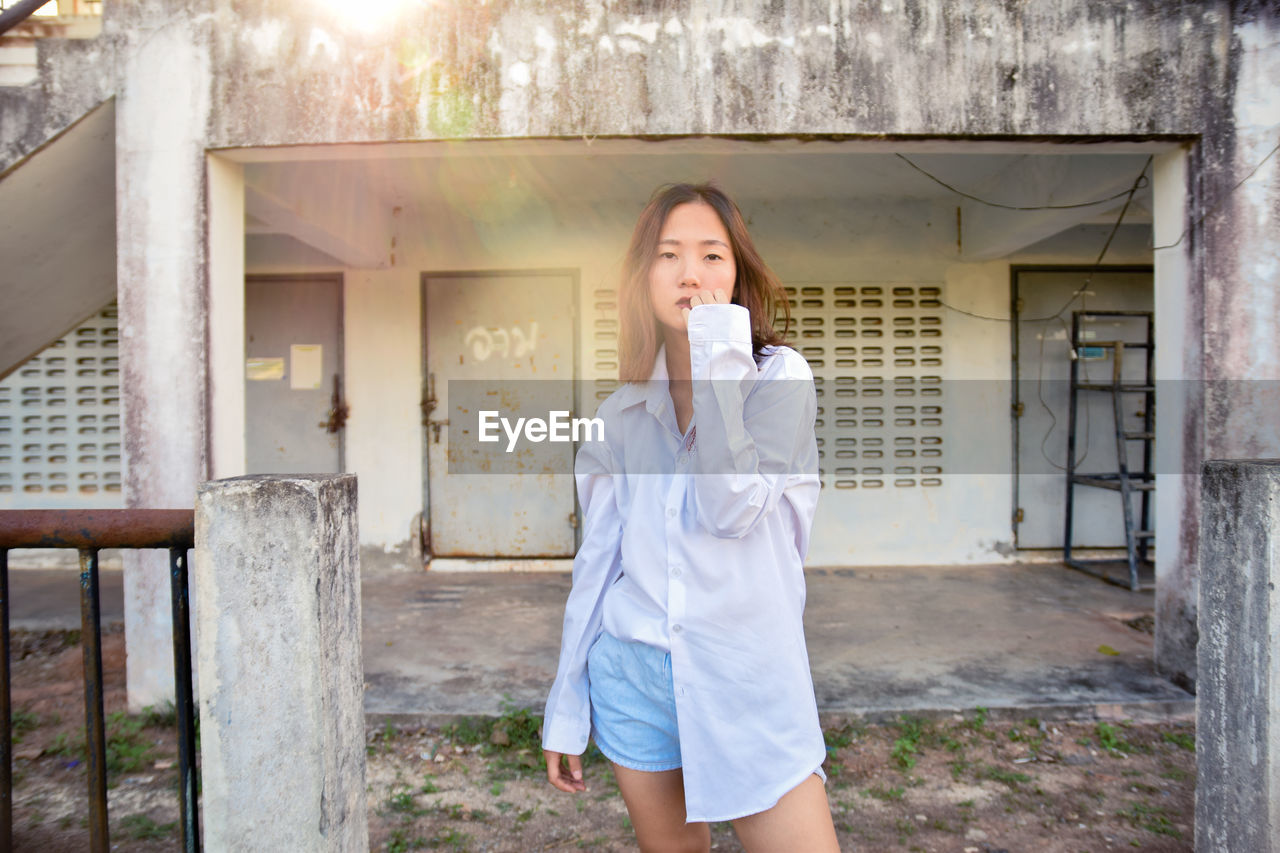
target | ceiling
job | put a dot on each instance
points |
(481, 180)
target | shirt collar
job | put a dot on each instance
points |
(653, 393)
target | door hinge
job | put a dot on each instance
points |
(573, 520)
(1018, 409)
(1019, 516)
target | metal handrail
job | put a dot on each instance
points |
(18, 13)
(88, 531)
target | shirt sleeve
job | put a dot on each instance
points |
(566, 725)
(755, 435)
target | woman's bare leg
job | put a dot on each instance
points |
(655, 802)
(801, 820)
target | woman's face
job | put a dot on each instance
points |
(693, 255)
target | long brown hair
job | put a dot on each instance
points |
(756, 287)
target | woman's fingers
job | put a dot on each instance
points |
(566, 780)
(709, 297)
(575, 773)
(702, 297)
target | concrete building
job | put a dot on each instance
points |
(293, 201)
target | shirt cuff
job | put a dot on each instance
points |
(566, 735)
(720, 322)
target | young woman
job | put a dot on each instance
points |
(683, 650)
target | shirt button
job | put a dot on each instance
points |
(677, 628)
(675, 571)
(671, 513)
(682, 460)
(679, 691)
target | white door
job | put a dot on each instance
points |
(293, 370)
(1045, 304)
(505, 340)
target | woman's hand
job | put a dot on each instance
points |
(701, 297)
(569, 781)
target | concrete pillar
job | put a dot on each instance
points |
(162, 110)
(277, 624)
(1238, 703)
(227, 455)
(1179, 421)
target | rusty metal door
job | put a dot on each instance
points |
(513, 334)
(293, 375)
(1045, 302)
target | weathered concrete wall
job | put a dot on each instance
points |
(277, 625)
(75, 77)
(568, 68)
(1237, 707)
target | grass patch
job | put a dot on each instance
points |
(999, 774)
(21, 722)
(1180, 739)
(886, 794)
(381, 740)
(128, 749)
(911, 731)
(978, 721)
(139, 827)
(1110, 740)
(841, 737)
(450, 837)
(1150, 818)
(164, 716)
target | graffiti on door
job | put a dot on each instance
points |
(486, 341)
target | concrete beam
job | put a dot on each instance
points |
(1238, 703)
(277, 626)
(344, 221)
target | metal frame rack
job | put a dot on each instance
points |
(1138, 533)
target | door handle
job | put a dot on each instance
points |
(435, 428)
(428, 404)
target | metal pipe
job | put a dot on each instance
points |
(98, 528)
(94, 717)
(6, 712)
(17, 13)
(188, 808)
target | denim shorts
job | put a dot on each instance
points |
(633, 704)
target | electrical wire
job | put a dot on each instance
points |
(1138, 183)
(988, 203)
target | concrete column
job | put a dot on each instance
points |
(162, 110)
(227, 457)
(1238, 703)
(277, 624)
(1179, 420)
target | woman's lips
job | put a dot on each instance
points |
(684, 303)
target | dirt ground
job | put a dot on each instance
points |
(967, 783)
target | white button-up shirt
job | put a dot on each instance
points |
(695, 544)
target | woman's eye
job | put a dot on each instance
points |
(714, 257)
(666, 255)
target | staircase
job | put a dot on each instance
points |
(57, 177)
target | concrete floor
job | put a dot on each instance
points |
(1013, 638)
